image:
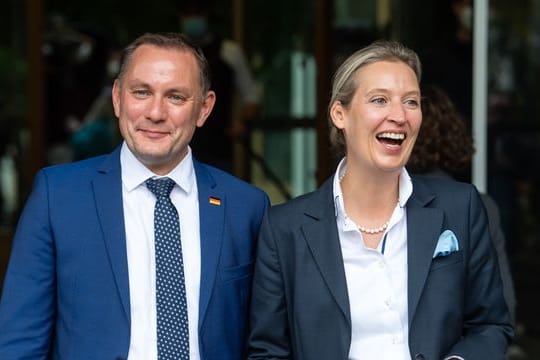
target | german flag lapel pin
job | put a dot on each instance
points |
(215, 201)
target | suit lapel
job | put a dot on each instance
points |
(212, 203)
(423, 229)
(107, 185)
(321, 235)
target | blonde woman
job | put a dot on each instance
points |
(376, 264)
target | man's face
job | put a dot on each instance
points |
(159, 104)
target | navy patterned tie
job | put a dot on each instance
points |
(172, 316)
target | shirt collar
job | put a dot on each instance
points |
(134, 173)
(405, 189)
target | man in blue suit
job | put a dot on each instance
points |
(81, 282)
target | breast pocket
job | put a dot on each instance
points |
(234, 273)
(444, 261)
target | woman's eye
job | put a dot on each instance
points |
(379, 101)
(412, 102)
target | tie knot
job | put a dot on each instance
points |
(160, 187)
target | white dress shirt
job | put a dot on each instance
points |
(376, 280)
(139, 204)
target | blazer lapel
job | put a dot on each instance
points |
(321, 235)
(320, 230)
(107, 185)
(423, 229)
(212, 203)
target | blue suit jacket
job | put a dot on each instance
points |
(300, 307)
(66, 291)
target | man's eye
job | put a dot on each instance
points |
(177, 98)
(141, 93)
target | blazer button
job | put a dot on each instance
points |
(419, 357)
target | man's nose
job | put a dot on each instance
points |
(156, 109)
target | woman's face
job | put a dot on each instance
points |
(383, 119)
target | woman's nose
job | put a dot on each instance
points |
(397, 113)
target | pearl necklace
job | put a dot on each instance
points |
(367, 230)
(372, 231)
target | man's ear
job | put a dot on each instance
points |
(206, 107)
(116, 97)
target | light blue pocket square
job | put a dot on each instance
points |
(447, 244)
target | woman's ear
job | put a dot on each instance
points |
(337, 114)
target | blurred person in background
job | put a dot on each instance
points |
(75, 59)
(449, 63)
(98, 133)
(231, 76)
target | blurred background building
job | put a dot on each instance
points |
(58, 59)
